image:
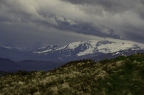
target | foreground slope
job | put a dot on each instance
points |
(119, 76)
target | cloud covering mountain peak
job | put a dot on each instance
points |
(58, 21)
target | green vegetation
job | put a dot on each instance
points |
(119, 76)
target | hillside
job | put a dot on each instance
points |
(119, 76)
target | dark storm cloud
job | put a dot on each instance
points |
(30, 21)
(113, 6)
(125, 17)
(31, 34)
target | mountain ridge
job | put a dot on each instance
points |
(9, 65)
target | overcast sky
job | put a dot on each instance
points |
(26, 22)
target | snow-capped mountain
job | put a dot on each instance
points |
(73, 51)
(84, 49)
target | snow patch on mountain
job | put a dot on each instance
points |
(88, 51)
(73, 45)
(113, 47)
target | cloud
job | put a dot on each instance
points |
(30, 21)
(27, 34)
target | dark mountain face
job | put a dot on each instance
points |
(7, 64)
(5, 60)
(27, 65)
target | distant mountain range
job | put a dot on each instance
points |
(50, 57)
(26, 65)
(72, 51)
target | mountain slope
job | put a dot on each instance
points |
(7, 64)
(119, 76)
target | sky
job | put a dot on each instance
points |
(45, 22)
